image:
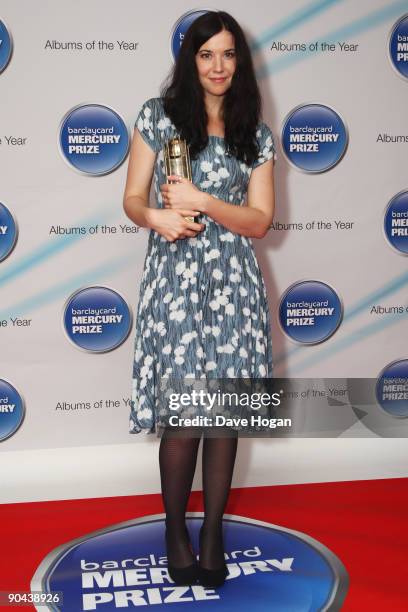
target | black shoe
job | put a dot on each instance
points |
(211, 577)
(183, 575)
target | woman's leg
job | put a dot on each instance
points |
(177, 459)
(218, 465)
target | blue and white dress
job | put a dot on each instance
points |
(203, 308)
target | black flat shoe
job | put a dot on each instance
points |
(183, 575)
(211, 577)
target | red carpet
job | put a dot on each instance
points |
(362, 522)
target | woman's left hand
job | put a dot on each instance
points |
(182, 194)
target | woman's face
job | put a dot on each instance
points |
(216, 63)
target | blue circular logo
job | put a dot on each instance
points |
(12, 410)
(310, 312)
(396, 222)
(125, 565)
(398, 46)
(8, 232)
(392, 388)
(180, 28)
(93, 139)
(97, 319)
(6, 46)
(314, 137)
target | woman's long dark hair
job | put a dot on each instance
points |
(183, 95)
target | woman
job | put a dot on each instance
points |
(203, 310)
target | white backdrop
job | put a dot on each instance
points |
(68, 454)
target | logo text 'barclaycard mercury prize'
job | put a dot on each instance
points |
(124, 566)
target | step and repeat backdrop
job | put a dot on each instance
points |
(73, 77)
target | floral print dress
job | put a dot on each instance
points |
(203, 309)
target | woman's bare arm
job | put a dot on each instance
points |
(170, 224)
(138, 181)
(254, 219)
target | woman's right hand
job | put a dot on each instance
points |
(172, 225)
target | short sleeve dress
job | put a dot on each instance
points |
(203, 308)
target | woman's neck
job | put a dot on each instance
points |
(214, 108)
(215, 122)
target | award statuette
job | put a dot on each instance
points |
(177, 160)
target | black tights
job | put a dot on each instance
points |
(177, 460)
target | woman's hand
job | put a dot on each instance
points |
(182, 194)
(172, 223)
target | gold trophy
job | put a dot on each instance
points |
(177, 160)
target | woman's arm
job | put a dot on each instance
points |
(170, 224)
(252, 220)
(138, 181)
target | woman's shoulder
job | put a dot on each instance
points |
(153, 109)
(263, 131)
(152, 106)
(266, 143)
(153, 124)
